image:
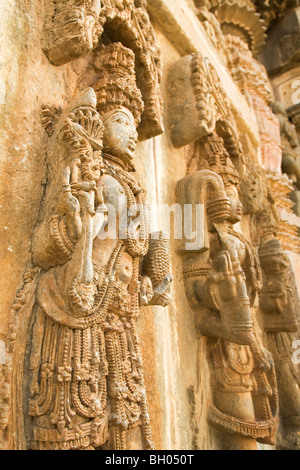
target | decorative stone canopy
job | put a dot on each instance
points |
(273, 10)
(240, 18)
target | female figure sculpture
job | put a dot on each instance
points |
(87, 385)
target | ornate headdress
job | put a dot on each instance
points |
(270, 249)
(211, 154)
(116, 85)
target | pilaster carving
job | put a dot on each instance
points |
(12, 369)
(252, 80)
(244, 36)
(5, 404)
(222, 280)
(289, 224)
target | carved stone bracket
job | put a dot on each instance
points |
(197, 105)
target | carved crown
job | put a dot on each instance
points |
(211, 154)
(116, 85)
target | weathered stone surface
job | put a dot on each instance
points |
(74, 75)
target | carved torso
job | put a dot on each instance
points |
(236, 246)
(115, 197)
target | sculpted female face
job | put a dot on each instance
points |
(236, 207)
(120, 134)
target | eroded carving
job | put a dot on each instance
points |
(198, 106)
(290, 144)
(259, 202)
(72, 28)
(222, 280)
(11, 369)
(210, 23)
(280, 306)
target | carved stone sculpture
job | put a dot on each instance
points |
(280, 304)
(71, 28)
(75, 27)
(222, 278)
(274, 9)
(210, 23)
(244, 36)
(259, 202)
(251, 78)
(239, 18)
(86, 383)
(290, 144)
(198, 106)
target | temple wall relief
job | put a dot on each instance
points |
(138, 343)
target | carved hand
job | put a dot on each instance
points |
(82, 190)
(225, 276)
(263, 359)
(227, 294)
(146, 291)
(69, 208)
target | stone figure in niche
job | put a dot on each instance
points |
(279, 303)
(290, 144)
(222, 278)
(87, 386)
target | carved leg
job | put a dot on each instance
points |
(237, 405)
(288, 388)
